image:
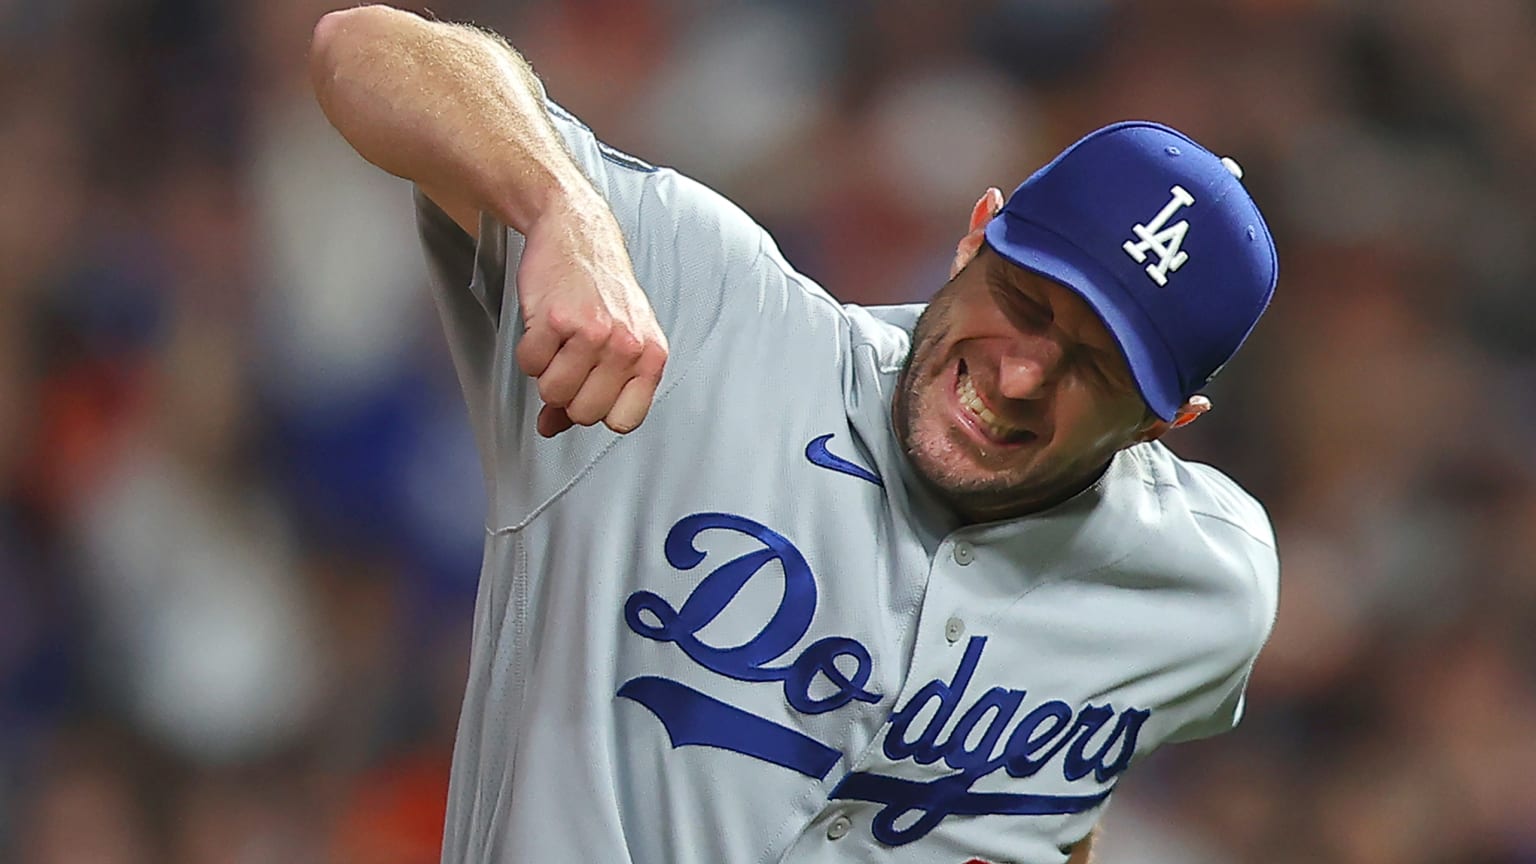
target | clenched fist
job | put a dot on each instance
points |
(590, 337)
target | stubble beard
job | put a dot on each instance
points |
(978, 497)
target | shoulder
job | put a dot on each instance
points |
(1206, 562)
(664, 213)
(886, 331)
(1216, 543)
(1214, 500)
(1210, 509)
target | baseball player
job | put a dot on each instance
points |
(909, 584)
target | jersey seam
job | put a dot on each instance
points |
(796, 276)
(1250, 651)
(790, 831)
(586, 469)
(1074, 575)
(1235, 524)
(538, 510)
(1156, 485)
(800, 279)
(789, 274)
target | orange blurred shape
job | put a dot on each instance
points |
(396, 814)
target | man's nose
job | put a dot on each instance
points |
(1028, 371)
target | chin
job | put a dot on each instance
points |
(979, 485)
(945, 449)
(947, 462)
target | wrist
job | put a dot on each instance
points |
(543, 194)
(579, 217)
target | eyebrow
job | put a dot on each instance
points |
(1004, 275)
(1000, 279)
(1108, 355)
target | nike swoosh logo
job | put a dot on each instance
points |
(817, 452)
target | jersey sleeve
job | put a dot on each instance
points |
(1215, 702)
(1221, 704)
(706, 267)
(686, 241)
(466, 277)
(682, 237)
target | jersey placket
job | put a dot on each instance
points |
(960, 571)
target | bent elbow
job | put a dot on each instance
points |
(339, 32)
(329, 31)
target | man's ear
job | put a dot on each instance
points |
(1188, 413)
(987, 206)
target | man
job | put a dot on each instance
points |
(895, 584)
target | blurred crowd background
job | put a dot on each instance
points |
(240, 515)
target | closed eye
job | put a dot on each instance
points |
(1023, 311)
(1104, 365)
(1090, 361)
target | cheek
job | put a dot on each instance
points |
(1091, 426)
(976, 315)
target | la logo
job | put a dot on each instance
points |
(1161, 239)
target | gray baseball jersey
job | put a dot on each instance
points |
(745, 633)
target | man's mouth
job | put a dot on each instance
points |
(988, 423)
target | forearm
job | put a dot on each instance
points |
(448, 107)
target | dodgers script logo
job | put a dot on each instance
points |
(837, 670)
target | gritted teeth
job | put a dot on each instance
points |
(991, 422)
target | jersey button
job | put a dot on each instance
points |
(964, 553)
(839, 828)
(954, 628)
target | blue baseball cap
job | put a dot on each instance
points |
(1159, 236)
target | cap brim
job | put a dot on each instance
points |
(1040, 251)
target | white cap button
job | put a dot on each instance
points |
(964, 553)
(954, 628)
(1232, 166)
(839, 828)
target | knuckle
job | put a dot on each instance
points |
(566, 320)
(530, 345)
(652, 361)
(624, 345)
(558, 319)
(529, 364)
(592, 332)
(553, 392)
